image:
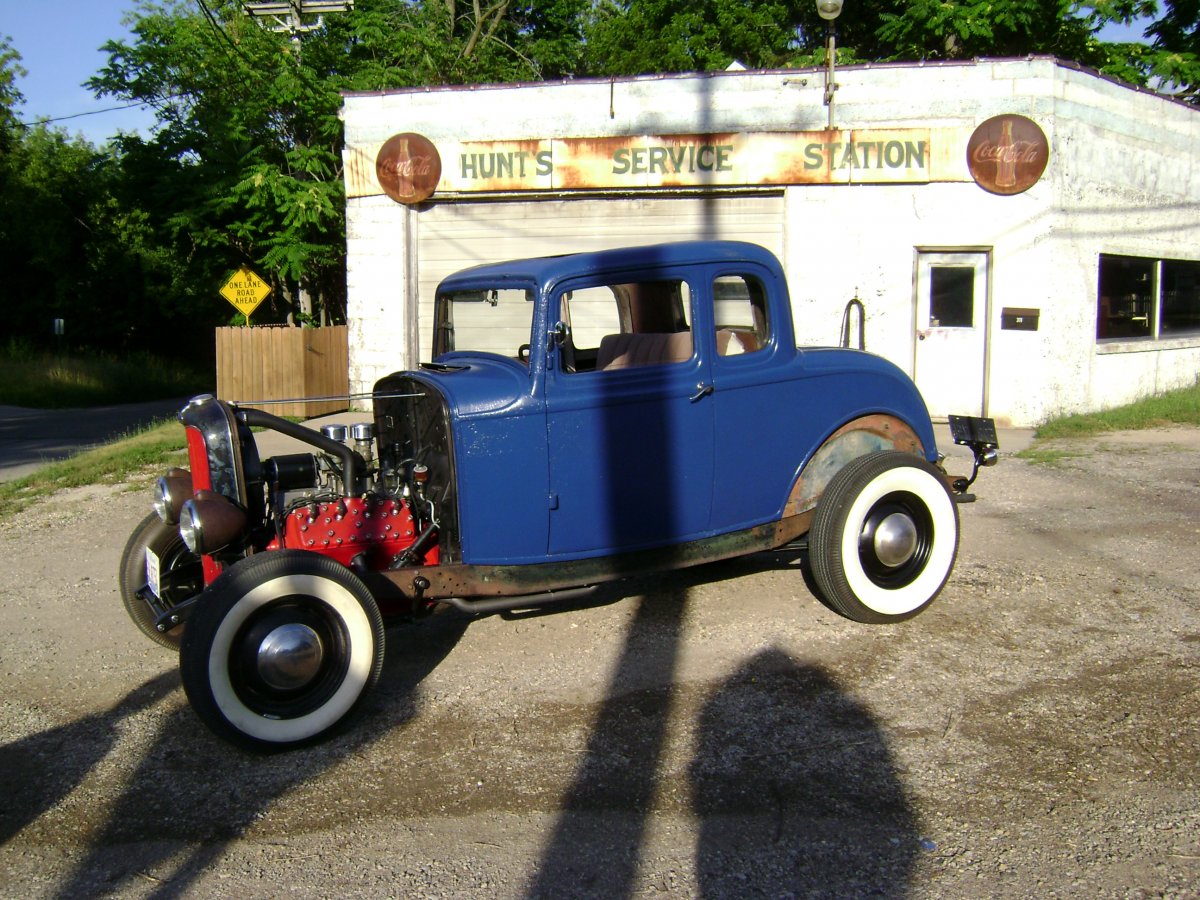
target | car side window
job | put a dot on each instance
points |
(626, 325)
(740, 314)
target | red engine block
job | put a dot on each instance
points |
(374, 528)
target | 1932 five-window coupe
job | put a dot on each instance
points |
(585, 418)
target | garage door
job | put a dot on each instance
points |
(452, 236)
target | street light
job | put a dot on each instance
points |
(829, 10)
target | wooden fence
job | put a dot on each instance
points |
(280, 362)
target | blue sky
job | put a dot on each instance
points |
(59, 44)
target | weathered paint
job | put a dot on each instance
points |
(858, 438)
(727, 159)
(440, 582)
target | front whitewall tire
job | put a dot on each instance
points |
(362, 651)
(244, 679)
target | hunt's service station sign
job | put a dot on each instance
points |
(410, 168)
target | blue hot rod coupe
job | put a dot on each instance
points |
(585, 418)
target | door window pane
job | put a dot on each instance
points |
(740, 313)
(951, 296)
(626, 325)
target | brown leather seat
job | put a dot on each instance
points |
(625, 351)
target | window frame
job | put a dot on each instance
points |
(1156, 302)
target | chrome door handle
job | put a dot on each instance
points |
(702, 391)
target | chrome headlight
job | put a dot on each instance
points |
(170, 493)
(210, 521)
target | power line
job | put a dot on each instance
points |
(78, 115)
(221, 31)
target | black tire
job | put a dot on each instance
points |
(326, 634)
(181, 575)
(891, 573)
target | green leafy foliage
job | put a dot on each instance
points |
(247, 158)
(644, 36)
(42, 379)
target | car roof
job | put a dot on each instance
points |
(546, 270)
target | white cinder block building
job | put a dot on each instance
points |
(1024, 236)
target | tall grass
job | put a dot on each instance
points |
(38, 379)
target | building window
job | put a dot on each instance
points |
(1180, 297)
(1126, 297)
(1143, 298)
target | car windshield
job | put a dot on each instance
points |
(497, 320)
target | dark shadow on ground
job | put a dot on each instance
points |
(597, 841)
(192, 790)
(38, 771)
(796, 791)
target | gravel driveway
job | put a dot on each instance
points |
(712, 733)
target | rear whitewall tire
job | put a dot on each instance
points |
(863, 577)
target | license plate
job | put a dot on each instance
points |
(152, 572)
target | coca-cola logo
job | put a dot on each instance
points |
(1007, 154)
(408, 167)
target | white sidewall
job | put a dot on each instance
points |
(899, 601)
(361, 651)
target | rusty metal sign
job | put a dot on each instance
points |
(408, 167)
(1007, 154)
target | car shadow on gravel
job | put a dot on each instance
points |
(193, 794)
(795, 789)
(38, 771)
(601, 828)
(792, 783)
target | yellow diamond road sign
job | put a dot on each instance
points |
(245, 290)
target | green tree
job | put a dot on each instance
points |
(628, 37)
(1173, 60)
(245, 165)
(10, 96)
(406, 43)
(633, 37)
(932, 29)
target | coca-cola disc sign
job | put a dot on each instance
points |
(1007, 154)
(408, 167)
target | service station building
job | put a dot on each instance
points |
(1023, 235)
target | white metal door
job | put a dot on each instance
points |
(950, 359)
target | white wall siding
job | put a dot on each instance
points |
(376, 273)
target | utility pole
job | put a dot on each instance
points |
(289, 16)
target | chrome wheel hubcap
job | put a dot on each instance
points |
(290, 656)
(895, 539)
